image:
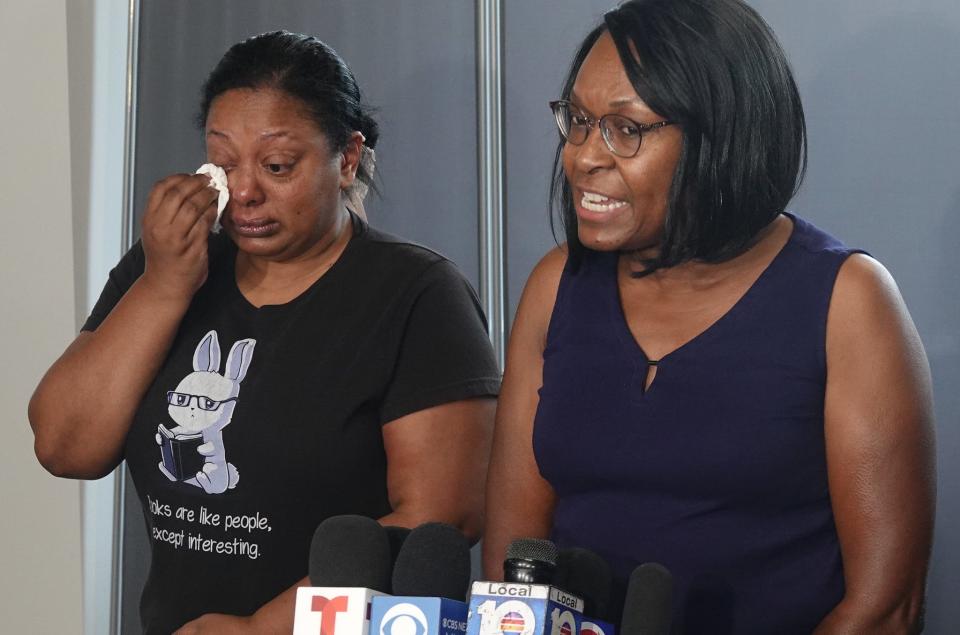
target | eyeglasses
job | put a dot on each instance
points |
(621, 134)
(183, 400)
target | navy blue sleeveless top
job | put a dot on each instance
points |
(718, 470)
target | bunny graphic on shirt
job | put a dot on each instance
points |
(203, 403)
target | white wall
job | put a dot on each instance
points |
(97, 52)
(40, 516)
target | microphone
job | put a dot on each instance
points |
(433, 562)
(349, 565)
(530, 561)
(350, 551)
(525, 608)
(648, 609)
(585, 574)
(396, 537)
(430, 578)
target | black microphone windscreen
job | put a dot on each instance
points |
(648, 609)
(396, 536)
(532, 549)
(586, 575)
(434, 561)
(350, 551)
(530, 561)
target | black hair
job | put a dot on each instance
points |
(305, 68)
(715, 68)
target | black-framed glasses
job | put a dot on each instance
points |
(183, 400)
(621, 134)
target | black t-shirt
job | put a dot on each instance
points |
(263, 422)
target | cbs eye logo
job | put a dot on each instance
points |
(403, 619)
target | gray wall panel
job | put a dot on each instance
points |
(880, 81)
(541, 37)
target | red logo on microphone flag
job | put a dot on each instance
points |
(565, 629)
(513, 622)
(329, 607)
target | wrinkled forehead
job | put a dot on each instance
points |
(256, 112)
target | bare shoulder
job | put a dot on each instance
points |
(545, 277)
(865, 296)
(865, 277)
(870, 334)
(540, 293)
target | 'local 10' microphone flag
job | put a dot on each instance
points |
(503, 608)
(410, 615)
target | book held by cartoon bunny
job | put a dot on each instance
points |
(179, 453)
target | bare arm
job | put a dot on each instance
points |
(437, 463)
(519, 501)
(880, 453)
(83, 406)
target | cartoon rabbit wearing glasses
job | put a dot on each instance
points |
(202, 406)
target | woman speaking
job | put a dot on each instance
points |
(699, 378)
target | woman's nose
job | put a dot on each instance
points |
(244, 187)
(593, 153)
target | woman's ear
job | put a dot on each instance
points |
(350, 159)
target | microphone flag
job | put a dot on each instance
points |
(333, 610)
(411, 615)
(503, 608)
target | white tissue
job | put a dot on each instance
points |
(218, 181)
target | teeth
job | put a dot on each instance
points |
(599, 203)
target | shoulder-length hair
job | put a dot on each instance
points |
(715, 68)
